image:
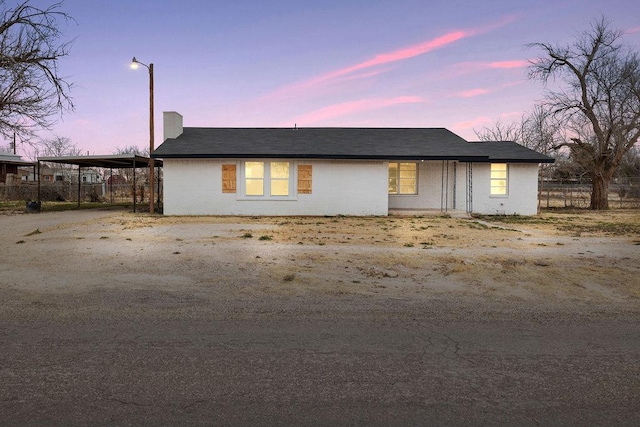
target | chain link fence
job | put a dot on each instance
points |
(66, 191)
(623, 194)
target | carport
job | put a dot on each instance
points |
(116, 161)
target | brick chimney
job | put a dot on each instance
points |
(172, 124)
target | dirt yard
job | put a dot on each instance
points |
(556, 258)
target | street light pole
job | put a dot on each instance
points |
(134, 65)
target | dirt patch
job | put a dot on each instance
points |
(556, 258)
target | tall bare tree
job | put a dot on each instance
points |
(537, 130)
(132, 149)
(598, 100)
(32, 92)
(630, 164)
(58, 146)
(502, 131)
(128, 174)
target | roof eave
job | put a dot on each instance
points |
(319, 157)
(510, 160)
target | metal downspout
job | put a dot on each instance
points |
(442, 186)
(469, 189)
(446, 199)
(455, 186)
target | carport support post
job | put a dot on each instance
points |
(79, 182)
(111, 184)
(39, 201)
(158, 190)
(134, 185)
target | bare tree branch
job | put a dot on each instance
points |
(32, 92)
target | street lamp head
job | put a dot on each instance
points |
(135, 64)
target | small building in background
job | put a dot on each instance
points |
(10, 166)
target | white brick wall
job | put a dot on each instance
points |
(194, 187)
(522, 197)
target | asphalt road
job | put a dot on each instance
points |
(131, 359)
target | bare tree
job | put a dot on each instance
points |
(58, 146)
(598, 101)
(502, 132)
(630, 164)
(32, 92)
(128, 173)
(537, 130)
(541, 131)
(132, 149)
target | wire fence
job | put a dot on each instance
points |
(624, 194)
(66, 191)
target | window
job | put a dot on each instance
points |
(499, 179)
(254, 176)
(279, 178)
(267, 178)
(403, 178)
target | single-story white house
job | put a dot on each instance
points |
(341, 171)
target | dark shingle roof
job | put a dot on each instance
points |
(509, 151)
(325, 143)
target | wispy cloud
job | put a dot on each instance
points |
(365, 75)
(352, 107)
(473, 92)
(398, 55)
(511, 115)
(472, 124)
(633, 30)
(387, 58)
(473, 67)
(508, 64)
(470, 93)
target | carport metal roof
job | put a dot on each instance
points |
(115, 161)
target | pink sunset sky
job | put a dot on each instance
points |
(249, 63)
